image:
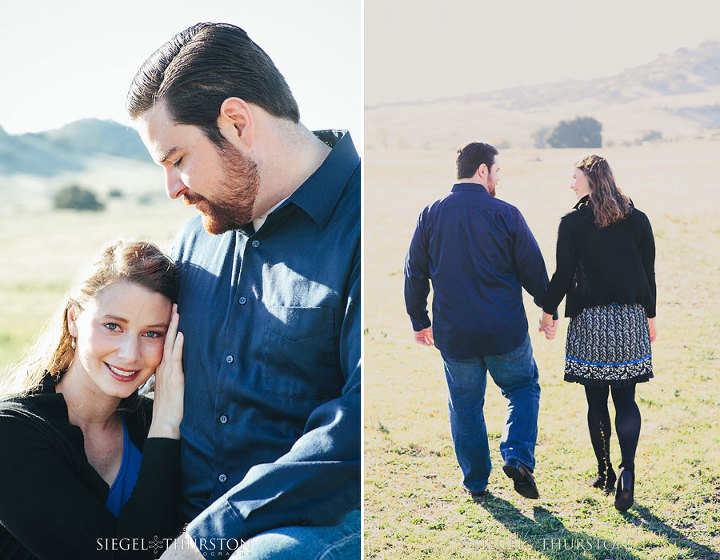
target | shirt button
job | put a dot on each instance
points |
(255, 243)
(242, 300)
(229, 359)
(222, 478)
(223, 419)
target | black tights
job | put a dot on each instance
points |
(627, 424)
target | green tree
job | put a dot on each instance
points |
(582, 132)
(76, 197)
(539, 137)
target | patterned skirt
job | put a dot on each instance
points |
(609, 345)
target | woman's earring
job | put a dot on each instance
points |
(73, 342)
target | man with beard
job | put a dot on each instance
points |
(479, 253)
(269, 301)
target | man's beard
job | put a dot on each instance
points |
(491, 188)
(238, 188)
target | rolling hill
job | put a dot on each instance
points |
(677, 95)
(97, 154)
(71, 147)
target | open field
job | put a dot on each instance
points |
(414, 506)
(42, 251)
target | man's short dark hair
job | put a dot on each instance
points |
(195, 71)
(473, 156)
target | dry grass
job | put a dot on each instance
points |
(414, 507)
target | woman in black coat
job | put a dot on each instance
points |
(605, 269)
(90, 468)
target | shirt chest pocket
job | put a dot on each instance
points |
(300, 354)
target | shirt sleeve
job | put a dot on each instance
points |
(318, 481)
(417, 277)
(564, 269)
(647, 251)
(528, 261)
(46, 507)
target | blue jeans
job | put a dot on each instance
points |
(341, 541)
(517, 376)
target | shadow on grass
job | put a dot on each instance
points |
(548, 536)
(640, 515)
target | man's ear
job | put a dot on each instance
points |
(236, 122)
(482, 171)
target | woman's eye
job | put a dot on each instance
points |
(112, 327)
(177, 163)
(154, 334)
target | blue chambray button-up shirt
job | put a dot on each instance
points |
(271, 432)
(479, 253)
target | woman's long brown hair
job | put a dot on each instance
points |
(608, 203)
(132, 261)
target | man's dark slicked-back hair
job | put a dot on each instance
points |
(473, 156)
(195, 71)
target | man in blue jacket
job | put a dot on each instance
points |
(479, 253)
(269, 301)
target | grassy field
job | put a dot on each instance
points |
(414, 506)
(42, 252)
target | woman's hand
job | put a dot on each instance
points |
(653, 329)
(169, 384)
(548, 325)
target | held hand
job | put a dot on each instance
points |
(548, 325)
(653, 329)
(424, 337)
(169, 384)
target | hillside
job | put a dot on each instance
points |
(677, 94)
(97, 154)
(51, 152)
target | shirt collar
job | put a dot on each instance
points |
(472, 187)
(260, 220)
(320, 193)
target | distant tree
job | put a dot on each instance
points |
(115, 193)
(582, 132)
(650, 136)
(540, 137)
(501, 143)
(76, 197)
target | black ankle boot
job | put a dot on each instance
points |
(605, 479)
(624, 497)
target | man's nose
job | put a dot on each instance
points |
(173, 183)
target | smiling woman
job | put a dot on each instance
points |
(73, 411)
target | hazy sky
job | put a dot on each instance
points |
(65, 60)
(452, 47)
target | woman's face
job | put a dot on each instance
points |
(580, 184)
(120, 336)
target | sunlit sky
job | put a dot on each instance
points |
(61, 61)
(453, 47)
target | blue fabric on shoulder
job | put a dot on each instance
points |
(127, 476)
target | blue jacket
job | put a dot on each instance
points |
(271, 432)
(479, 253)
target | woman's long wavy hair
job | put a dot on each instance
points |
(608, 203)
(138, 262)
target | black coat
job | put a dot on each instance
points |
(52, 501)
(598, 266)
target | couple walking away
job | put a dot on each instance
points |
(479, 253)
(251, 446)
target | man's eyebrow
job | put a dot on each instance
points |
(166, 155)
